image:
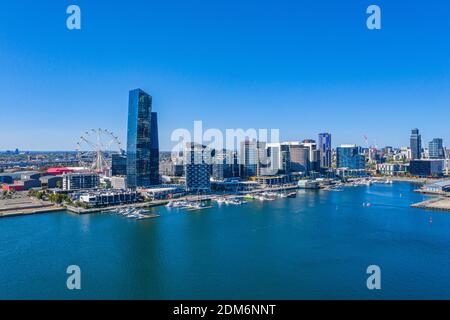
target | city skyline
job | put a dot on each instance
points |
(280, 70)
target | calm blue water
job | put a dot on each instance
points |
(317, 245)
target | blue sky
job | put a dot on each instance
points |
(300, 66)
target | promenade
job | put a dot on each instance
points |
(20, 204)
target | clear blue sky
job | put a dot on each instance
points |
(300, 66)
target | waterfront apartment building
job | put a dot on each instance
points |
(436, 149)
(141, 164)
(79, 181)
(109, 197)
(416, 144)
(391, 169)
(197, 160)
(325, 150)
(348, 156)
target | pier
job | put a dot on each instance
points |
(438, 204)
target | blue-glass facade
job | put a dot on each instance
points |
(349, 157)
(416, 144)
(325, 150)
(139, 169)
(436, 149)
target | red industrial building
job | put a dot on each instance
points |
(58, 171)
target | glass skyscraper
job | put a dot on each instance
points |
(325, 150)
(436, 149)
(416, 144)
(141, 167)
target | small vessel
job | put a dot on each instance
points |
(292, 194)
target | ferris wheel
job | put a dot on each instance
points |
(95, 149)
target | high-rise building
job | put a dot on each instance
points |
(118, 165)
(274, 155)
(348, 156)
(140, 162)
(314, 155)
(436, 149)
(325, 150)
(298, 157)
(262, 161)
(154, 150)
(248, 159)
(223, 164)
(416, 144)
(197, 160)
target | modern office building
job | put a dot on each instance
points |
(348, 156)
(325, 150)
(141, 164)
(426, 168)
(299, 158)
(248, 158)
(118, 165)
(436, 149)
(416, 144)
(197, 159)
(79, 181)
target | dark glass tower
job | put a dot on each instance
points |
(416, 144)
(154, 150)
(139, 139)
(325, 150)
